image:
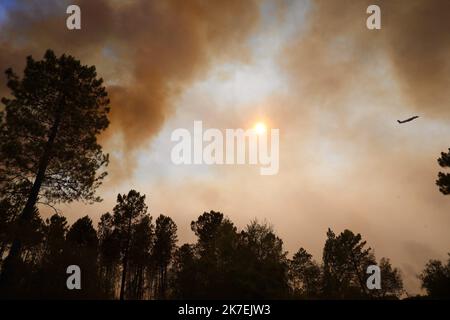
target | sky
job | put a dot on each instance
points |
(312, 69)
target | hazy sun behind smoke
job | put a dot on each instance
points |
(260, 128)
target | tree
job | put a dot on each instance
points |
(225, 264)
(262, 263)
(109, 254)
(443, 181)
(55, 236)
(81, 249)
(51, 274)
(391, 281)
(8, 214)
(139, 256)
(33, 236)
(436, 279)
(128, 213)
(49, 135)
(305, 275)
(214, 251)
(10, 204)
(206, 228)
(23, 275)
(162, 253)
(124, 242)
(345, 261)
(185, 276)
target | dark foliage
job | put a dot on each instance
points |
(48, 142)
(443, 181)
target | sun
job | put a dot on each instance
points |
(260, 128)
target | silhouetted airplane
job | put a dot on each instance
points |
(407, 120)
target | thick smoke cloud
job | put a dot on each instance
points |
(147, 51)
(418, 40)
(338, 50)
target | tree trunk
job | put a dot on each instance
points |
(3, 248)
(358, 275)
(125, 261)
(124, 275)
(26, 214)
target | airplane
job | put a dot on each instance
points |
(407, 120)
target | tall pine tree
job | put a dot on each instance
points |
(49, 137)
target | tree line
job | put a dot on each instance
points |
(49, 154)
(131, 256)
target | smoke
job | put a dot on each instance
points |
(418, 42)
(147, 51)
(337, 51)
(351, 84)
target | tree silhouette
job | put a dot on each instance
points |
(129, 257)
(185, 280)
(391, 281)
(162, 253)
(10, 203)
(81, 250)
(51, 276)
(225, 264)
(128, 213)
(264, 263)
(48, 136)
(305, 275)
(33, 235)
(436, 279)
(55, 233)
(213, 251)
(345, 261)
(139, 257)
(206, 228)
(7, 217)
(109, 254)
(443, 181)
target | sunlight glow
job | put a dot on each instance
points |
(260, 128)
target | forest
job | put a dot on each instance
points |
(50, 154)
